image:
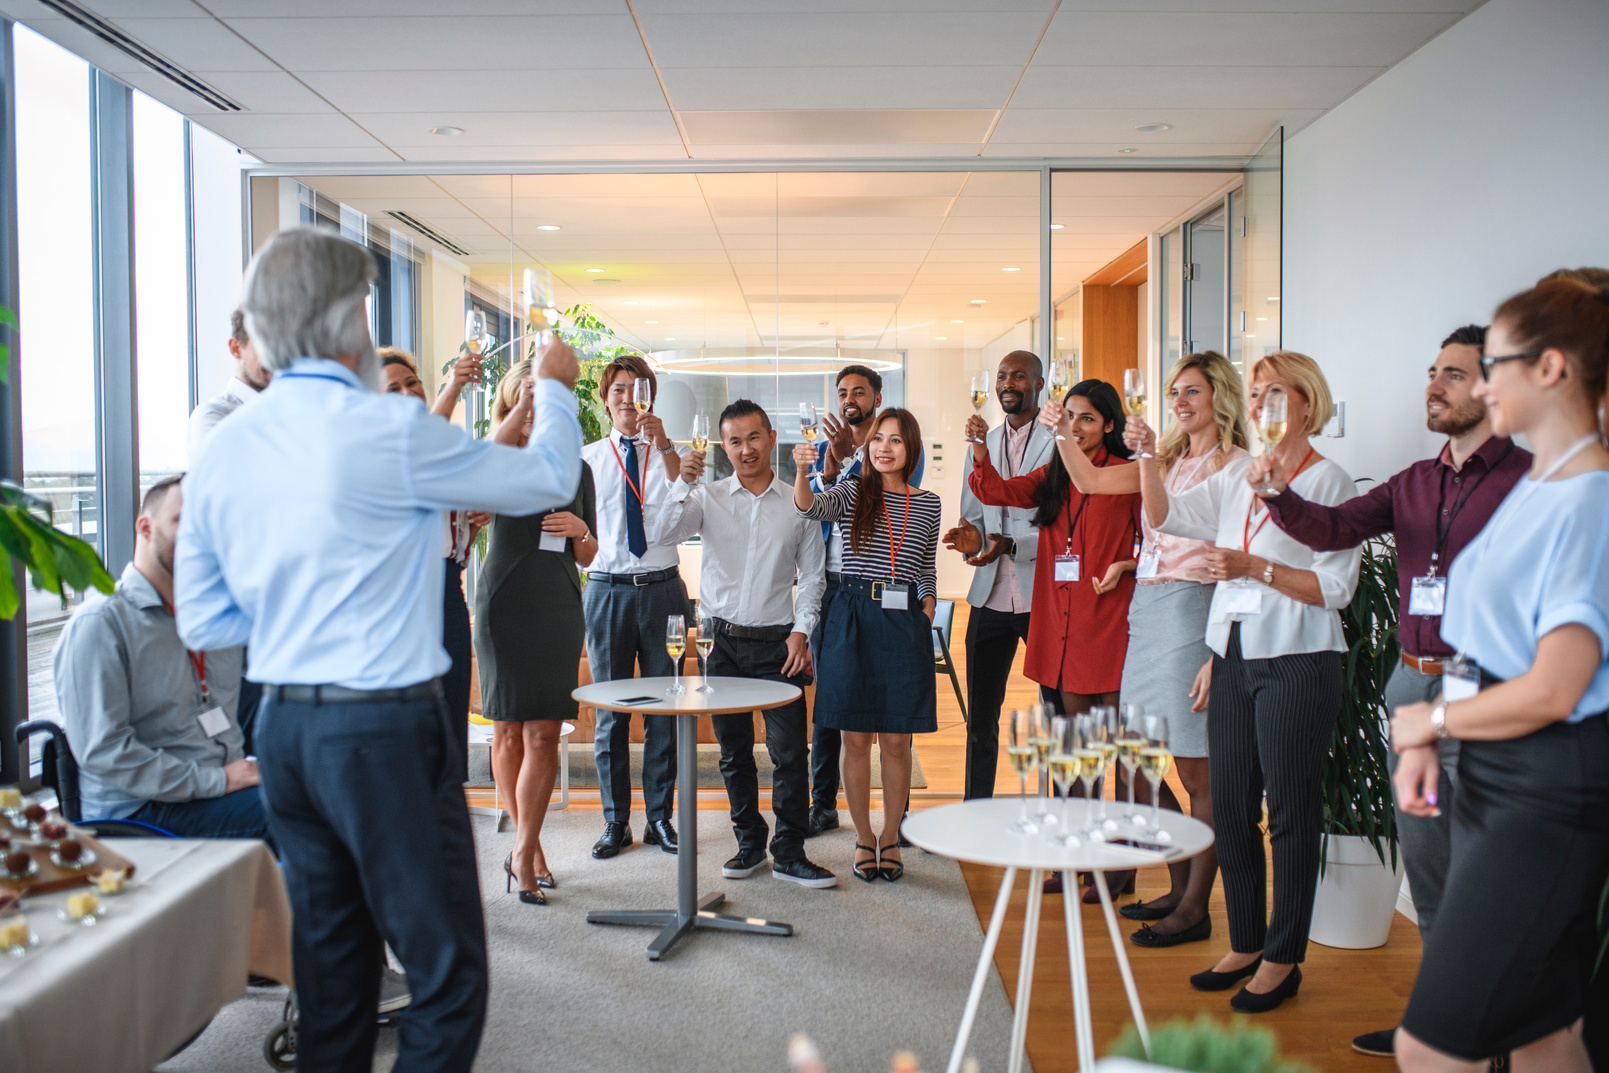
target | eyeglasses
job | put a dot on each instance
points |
(1488, 362)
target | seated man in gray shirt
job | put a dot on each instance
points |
(151, 724)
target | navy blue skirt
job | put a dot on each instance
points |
(876, 669)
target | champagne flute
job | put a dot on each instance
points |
(1134, 395)
(1090, 759)
(980, 395)
(476, 337)
(701, 432)
(807, 421)
(1271, 426)
(1155, 759)
(1130, 739)
(642, 397)
(1064, 769)
(675, 645)
(1022, 754)
(1058, 384)
(702, 644)
(1106, 731)
(1041, 716)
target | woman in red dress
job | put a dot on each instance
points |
(1079, 633)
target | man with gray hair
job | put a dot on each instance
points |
(312, 529)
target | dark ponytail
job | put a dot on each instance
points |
(1057, 485)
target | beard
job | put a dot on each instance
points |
(1016, 407)
(163, 550)
(860, 418)
(1457, 420)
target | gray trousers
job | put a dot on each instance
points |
(625, 632)
(1426, 840)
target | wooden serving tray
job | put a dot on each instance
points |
(50, 878)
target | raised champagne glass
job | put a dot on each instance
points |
(642, 397)
(476, 337)
(1064, 769)
(1155, 760)
(1271, 425)
(980, 395)
(808, 423)
(1022, 754)
(1059, 373)
(702, 644)
(1130, 739)
(675, 645)
(701, 432)
(1134, 395)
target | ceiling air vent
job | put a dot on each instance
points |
(429, 232)
(130, 47)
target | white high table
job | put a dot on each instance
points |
(979, 831)
(727, 696)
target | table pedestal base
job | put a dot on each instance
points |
(691, 912)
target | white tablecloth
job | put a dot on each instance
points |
(172, 951)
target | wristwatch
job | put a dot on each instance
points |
(1438, 720)
(669, 449)
(1268, 574)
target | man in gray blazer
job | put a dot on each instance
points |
(1002, 543)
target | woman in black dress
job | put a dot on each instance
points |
(528, 634)
(877, 646)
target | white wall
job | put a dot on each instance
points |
(1456, 179)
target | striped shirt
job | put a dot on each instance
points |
(917, 540)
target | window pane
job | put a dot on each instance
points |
(215, 187)
(161, 274)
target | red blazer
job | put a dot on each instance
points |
(1077, 639)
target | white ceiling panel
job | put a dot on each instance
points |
(845, 151)
(383, 9)
(497, 90)
(1458, 7)
(322, 154)
(491, 129)
(845, 39)
(1202, 152)
(261, 91)
(536, 154)
(716, 88)
(830, 8)
(1117, 124)
(1162, 88)
(198, 44)
(330, 130)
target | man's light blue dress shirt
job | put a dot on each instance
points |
(311, 526)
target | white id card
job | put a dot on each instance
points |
(1067, 567)
(896, 597)
(1427, 596)
(1460, 680)
(551, 542)
(214, 721)
(1150, 558)
(1241, 597)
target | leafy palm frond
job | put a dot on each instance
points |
(1204, 1046)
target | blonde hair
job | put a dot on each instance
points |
(508, 390)
(1228, 409)
(1305, 376)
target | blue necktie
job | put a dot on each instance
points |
(636, 539)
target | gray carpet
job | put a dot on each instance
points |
(871, 969)
(584, 769)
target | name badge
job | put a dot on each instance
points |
(1150, 559)
(552, 542)
(214, 721)
(896, 597)
(1427, 596)
(1460, 679)
(1241, 597)
(1067, 568)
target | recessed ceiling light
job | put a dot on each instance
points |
(940, 338)
(1125, 150)
(670, 338)
(594, 270)
(1011, 270)
(445, 130)
(1262, 318)
(977, 301)
(650, 322)
(1057, 227)
(1060, 338)
(1153, 128)
(957, 322)
(547, 227)
(1273, 298)
(1249, 335)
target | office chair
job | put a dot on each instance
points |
(943, 616)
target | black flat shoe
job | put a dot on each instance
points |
(1381, 1044)
(1146, 910)
(1149, 936)
(1223, 981)
(1251, 1002)
(660, 833)
(866, 870)
(616, 837)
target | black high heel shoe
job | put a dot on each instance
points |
(866, 870)
(1223, 981)
(889, 872)
(529, 897)
(1251, 1002)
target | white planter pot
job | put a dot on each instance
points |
(1356, 896)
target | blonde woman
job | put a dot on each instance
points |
(1169, 666)
(528, 634)
(1275, 630)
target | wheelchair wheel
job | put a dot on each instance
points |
(280, 1048)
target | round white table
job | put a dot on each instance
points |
(726, 696)
(979, 831)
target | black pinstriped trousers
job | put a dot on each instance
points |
(1269, 723)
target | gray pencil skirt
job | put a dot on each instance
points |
(1167, 646)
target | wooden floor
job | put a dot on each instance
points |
(1344, 992)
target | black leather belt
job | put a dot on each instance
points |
(637, 580)
(753, 633)
(834, 576)
(342, 695)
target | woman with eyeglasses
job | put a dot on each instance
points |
(1507, 967)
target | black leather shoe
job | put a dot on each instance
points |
(744, 865)
(1149, 936)
(1145, 911)
(660, 833)
(1251, 1002)
(1382, 1044)
(822, 820)
(1222, 981)
(616, 837)
(804, 873)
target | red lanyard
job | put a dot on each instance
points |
(198, 660)
(624, 473)
(893, 548)
(1247, 533)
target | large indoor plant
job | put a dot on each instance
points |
(1359, 870)
(1205, 1046)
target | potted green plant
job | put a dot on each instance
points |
(1360, 873)
(1199, 1046)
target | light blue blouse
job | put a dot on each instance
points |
(1541, 562)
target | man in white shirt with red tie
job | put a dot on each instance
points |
(633, 586)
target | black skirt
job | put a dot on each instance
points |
(1515, 939)
(876, 672)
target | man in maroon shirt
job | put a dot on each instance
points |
(1434, 508)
